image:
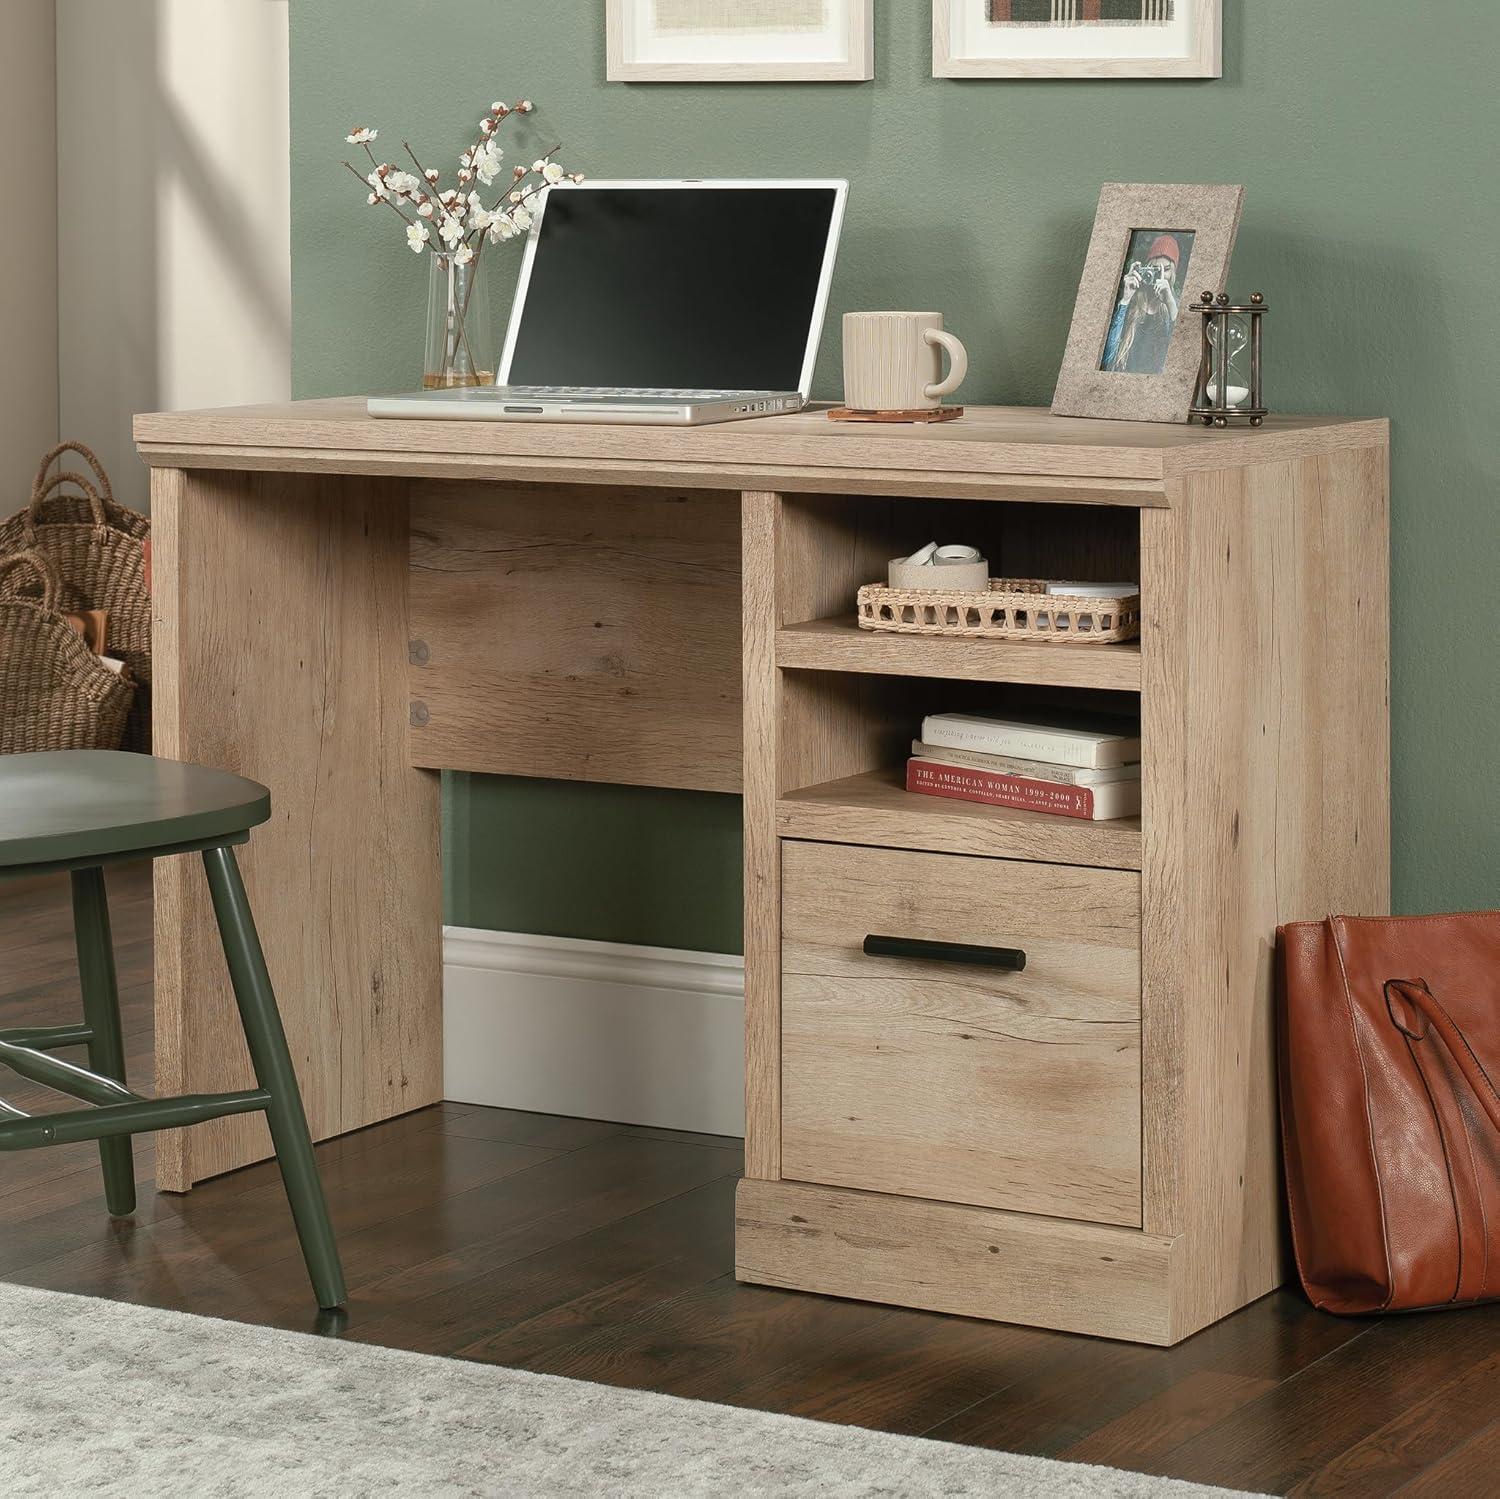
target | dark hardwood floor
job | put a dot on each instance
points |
(605, 1252)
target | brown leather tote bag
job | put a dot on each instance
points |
(1390, 1059)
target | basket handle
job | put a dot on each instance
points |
(88, 456)
(41, 567)
(41, 494)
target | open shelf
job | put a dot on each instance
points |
(839, 644)
(876, 809)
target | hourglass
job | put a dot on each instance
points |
(1229, 379)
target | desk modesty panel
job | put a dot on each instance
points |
(344, 606)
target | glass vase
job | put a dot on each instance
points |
(460, 328)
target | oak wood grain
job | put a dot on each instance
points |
(579, 633)
(965, 1084)
(760, 514)
(875, 809)
(838, 644)
(280, 642)
(989, 443)
(1266, 799)
(948, 1257)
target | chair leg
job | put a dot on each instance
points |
(273, 1071)
(101, 1012)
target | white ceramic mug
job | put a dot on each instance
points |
(893, 361)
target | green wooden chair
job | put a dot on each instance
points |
(78, 810)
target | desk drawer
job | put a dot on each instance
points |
(952, 1081)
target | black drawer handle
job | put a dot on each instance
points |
(1011, 958)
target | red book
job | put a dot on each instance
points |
(1092, 803)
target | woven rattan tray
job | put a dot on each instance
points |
(1013, 609)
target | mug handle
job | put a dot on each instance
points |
(958, 362)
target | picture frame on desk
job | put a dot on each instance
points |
(1077, 39)
(740, 41)
(1134, 351)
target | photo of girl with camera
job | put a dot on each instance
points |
(1148, 302)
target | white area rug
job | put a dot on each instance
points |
(99, 1397)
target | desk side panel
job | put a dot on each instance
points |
(1267, 800)
(577, 633)
(280, 640)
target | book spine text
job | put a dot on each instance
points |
(930, 778)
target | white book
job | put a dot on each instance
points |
(1036, 770)
(1095, 590)
(1092, 741)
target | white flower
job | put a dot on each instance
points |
(497, 108)
(576, 177)
(447, 196)
(525, 106)
(376, 197)
(462, 255)
(361, 135)
(521, 218)
(432, 174)
(486, 125)
(501, 228)
(540, 165)
(487, 162)
(403, 184)
(552, 172)
(377, 183)
(417, 236)
(425, 209)
(452, 230)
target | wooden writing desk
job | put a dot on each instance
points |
(344, 605)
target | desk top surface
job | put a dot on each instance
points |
(336, 434)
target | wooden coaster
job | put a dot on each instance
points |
(930, 414)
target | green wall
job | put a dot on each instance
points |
(1371, 223)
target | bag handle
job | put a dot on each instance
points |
(41, 494)
(41, 567)
(87, 454)
(1428, 1010)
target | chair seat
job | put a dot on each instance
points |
(71, 805)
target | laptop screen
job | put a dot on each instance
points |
(702, 288)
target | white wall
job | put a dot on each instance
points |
(28, 257)
(174, 257)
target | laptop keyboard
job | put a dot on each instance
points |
(611, 392)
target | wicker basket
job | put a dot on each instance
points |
(54, 692)
(18, 531)
(96, 547)
(1012, 609)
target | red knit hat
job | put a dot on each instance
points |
(1166, 244)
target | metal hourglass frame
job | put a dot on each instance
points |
(1211, 405)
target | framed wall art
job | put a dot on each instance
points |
(1076, 38)
(740, 41)
(1135, 347)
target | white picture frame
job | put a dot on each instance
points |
(968, 43)
(825, 41)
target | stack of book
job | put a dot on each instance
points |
(1070, 764)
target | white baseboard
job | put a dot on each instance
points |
(602, 1030)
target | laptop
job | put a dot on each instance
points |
(675, 303)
